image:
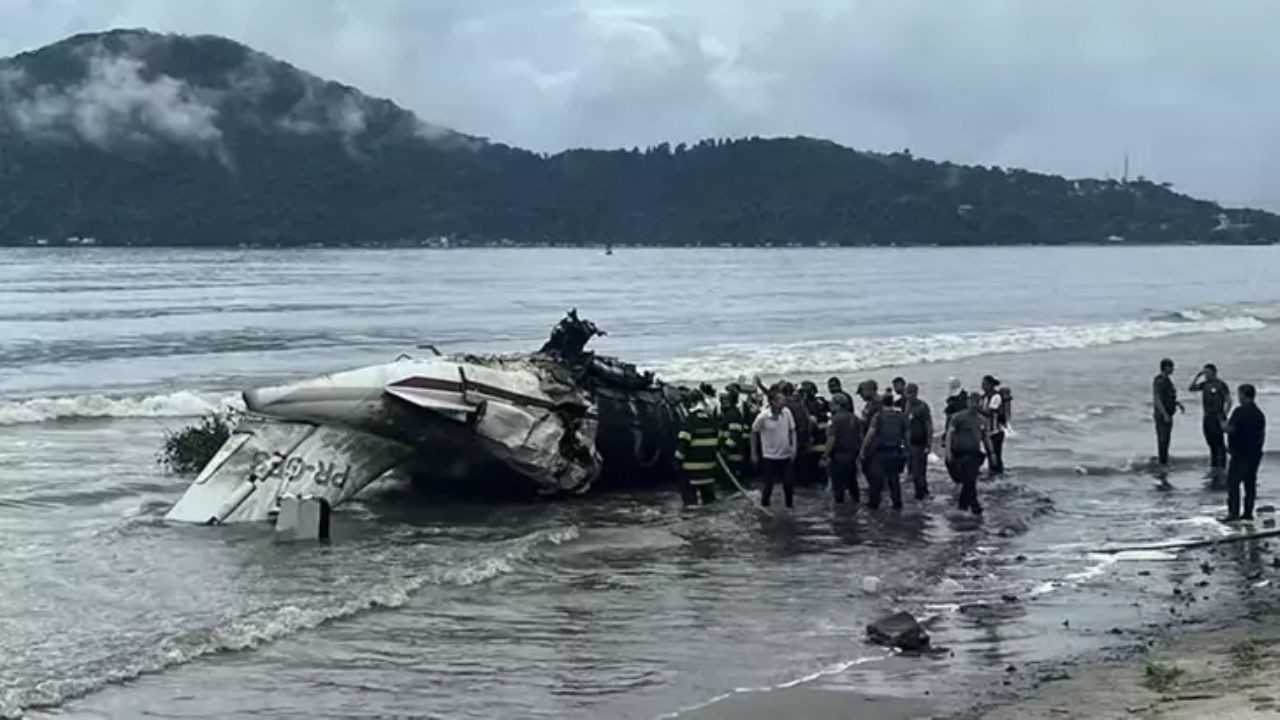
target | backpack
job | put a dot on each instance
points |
(1006, 410)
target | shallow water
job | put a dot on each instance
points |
(619, 606)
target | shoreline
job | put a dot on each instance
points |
(1178, 668)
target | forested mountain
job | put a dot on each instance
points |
(131, 137)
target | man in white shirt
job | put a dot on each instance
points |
(773, 443)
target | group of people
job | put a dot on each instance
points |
(788, 435)
(1239, 434)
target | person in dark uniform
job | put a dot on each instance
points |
(966, 441)
(804, 473)
(884, 454)
(735, 445)
(836, 389)
(1247, 431)
(1215, 399)
(869, 393)
(819, 412)
(899, 386)
(1164, 402)
(919, 439)
(696, 446)
(844, 443)
(957, 401)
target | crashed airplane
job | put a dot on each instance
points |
(560, 421)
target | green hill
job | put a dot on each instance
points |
(131, 137)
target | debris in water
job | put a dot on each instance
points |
(900, 630)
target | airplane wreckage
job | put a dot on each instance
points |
(561, 421)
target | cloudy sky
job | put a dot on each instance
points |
(1188, 88)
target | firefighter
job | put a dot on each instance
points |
(819, 412)
(735, 444)
(696, 446)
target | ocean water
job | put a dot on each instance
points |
(608, 606)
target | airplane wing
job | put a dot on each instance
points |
(266, 458)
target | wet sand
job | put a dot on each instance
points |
(1230, 673)
(813, 704)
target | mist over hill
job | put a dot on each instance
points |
(133, 137)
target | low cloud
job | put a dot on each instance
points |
(115, 103)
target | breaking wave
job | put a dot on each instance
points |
(868, 353)
(76, 407)
(259, 628)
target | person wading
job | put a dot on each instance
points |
(803, 472)
(884, 454)
(819, 412)
(844, 443)
(773, 448)
(1164, 402)
(696, 446)
(1247, 431)
(735, 446)
(1215, 400)
(919, 439)
(957, 401)
(993, 407)
(966, 440)
(836, 389)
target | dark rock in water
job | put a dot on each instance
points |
(1266, 509)
(1116, 631)
(1011, 669)
(1020, 558)
(1177, 591)
(1009, 598)
(900, 630)
(1269, 523)
(1275, 562)
(1203, 583)
(1206, 568)
(1144, 573)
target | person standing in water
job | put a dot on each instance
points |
(993, 409)
(884, 454)
(957, 401)
(773, 448)
(1215, 400)
(965, 441)
(1164, 402)
(844, 442)
(1247, 430)
(899, 386)
(836, 389)
(919, 439)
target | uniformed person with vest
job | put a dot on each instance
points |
(819, 420)
(884, 452)
(735, 442)
(696, 446)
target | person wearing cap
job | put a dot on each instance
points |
(965, 442)
(884, 454)
(919, 439)
(1215, 399)
(735, 445)
(819, 412)
(844, 442)
(993, 410)
(696, 446)
(804, 431)
(957, 401)
(1164, 403)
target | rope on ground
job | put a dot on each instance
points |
(734, 479)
